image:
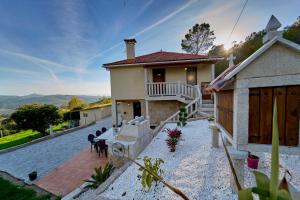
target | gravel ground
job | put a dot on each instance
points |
(47, 155)
(289, 162)
(200, 171)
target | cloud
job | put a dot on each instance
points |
(38, 60)
(47, 65)
(145, 30)
(18, 71)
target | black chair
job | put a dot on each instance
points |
(91, 138)
(103, 129)
(102, 146)
(98, 133)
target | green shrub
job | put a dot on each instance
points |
(182, 117)
(100, 176)
(146, 178)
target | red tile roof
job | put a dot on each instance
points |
(161, 56)
(219, 82)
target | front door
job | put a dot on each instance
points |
(191, 75)
(136, 109)
(205, 95)
(159, 75)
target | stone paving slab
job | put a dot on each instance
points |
(45, 156)
(72, 173)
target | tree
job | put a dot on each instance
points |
(293, 32)
(36, 117)
(241, 50)
(199, 39)
(76, 103)
(219, 50)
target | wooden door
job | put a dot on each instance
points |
(261, 101)
(205, 95)
(254, 105)
(137, 109)
(292, 115)
(159, 75)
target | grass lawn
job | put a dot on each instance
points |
(25, 136)
(9, 191)
(60, 126)
(18, 138)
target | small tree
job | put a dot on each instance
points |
(182, 117)
(76, 103)
(36, 117)
(293, 32)
(199, 39)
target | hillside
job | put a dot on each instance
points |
(9, 103)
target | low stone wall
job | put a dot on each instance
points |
(55, 134)
(88, 116)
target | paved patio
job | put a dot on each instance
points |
(45, 156)
(72, 173)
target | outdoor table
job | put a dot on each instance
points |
(108, 135)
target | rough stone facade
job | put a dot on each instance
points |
(161, 110)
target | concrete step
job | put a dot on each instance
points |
(207, 102)
(209, 109)
(207, 105)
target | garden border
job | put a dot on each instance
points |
(41, 139)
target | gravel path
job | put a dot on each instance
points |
(47, 155)
(197, 169)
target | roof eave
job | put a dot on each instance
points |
(164, 62)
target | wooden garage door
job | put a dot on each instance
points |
(261, 111)
(225, 110)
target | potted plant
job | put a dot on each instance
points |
(252, 161)
(32, 176)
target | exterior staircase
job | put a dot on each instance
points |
(196, 108)
(190, 95)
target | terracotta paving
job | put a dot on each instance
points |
(71, 174)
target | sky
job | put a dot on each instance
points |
(58, 47)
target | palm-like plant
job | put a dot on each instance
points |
(100, 176)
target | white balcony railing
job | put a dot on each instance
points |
(171, 89)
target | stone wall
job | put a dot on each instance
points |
(89, 116)
(161, 110)
(125, 108)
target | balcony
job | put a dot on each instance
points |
(171, 91)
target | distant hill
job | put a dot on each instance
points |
(9, 103)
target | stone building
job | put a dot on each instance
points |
(245, 93)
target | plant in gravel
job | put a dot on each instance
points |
(269, 188)
(172, 142)
(173, 138)
(211, 118)
(152, 165)
(100, 175)
(152, 172)
(173, 133)
(182, 117)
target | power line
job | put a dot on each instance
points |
(244, 6)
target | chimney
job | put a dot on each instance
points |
(271, 29)
(130, 48)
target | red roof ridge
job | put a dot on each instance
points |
(161, 56)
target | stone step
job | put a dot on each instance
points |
(207, 105)
(209, 109)
(207, 102)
